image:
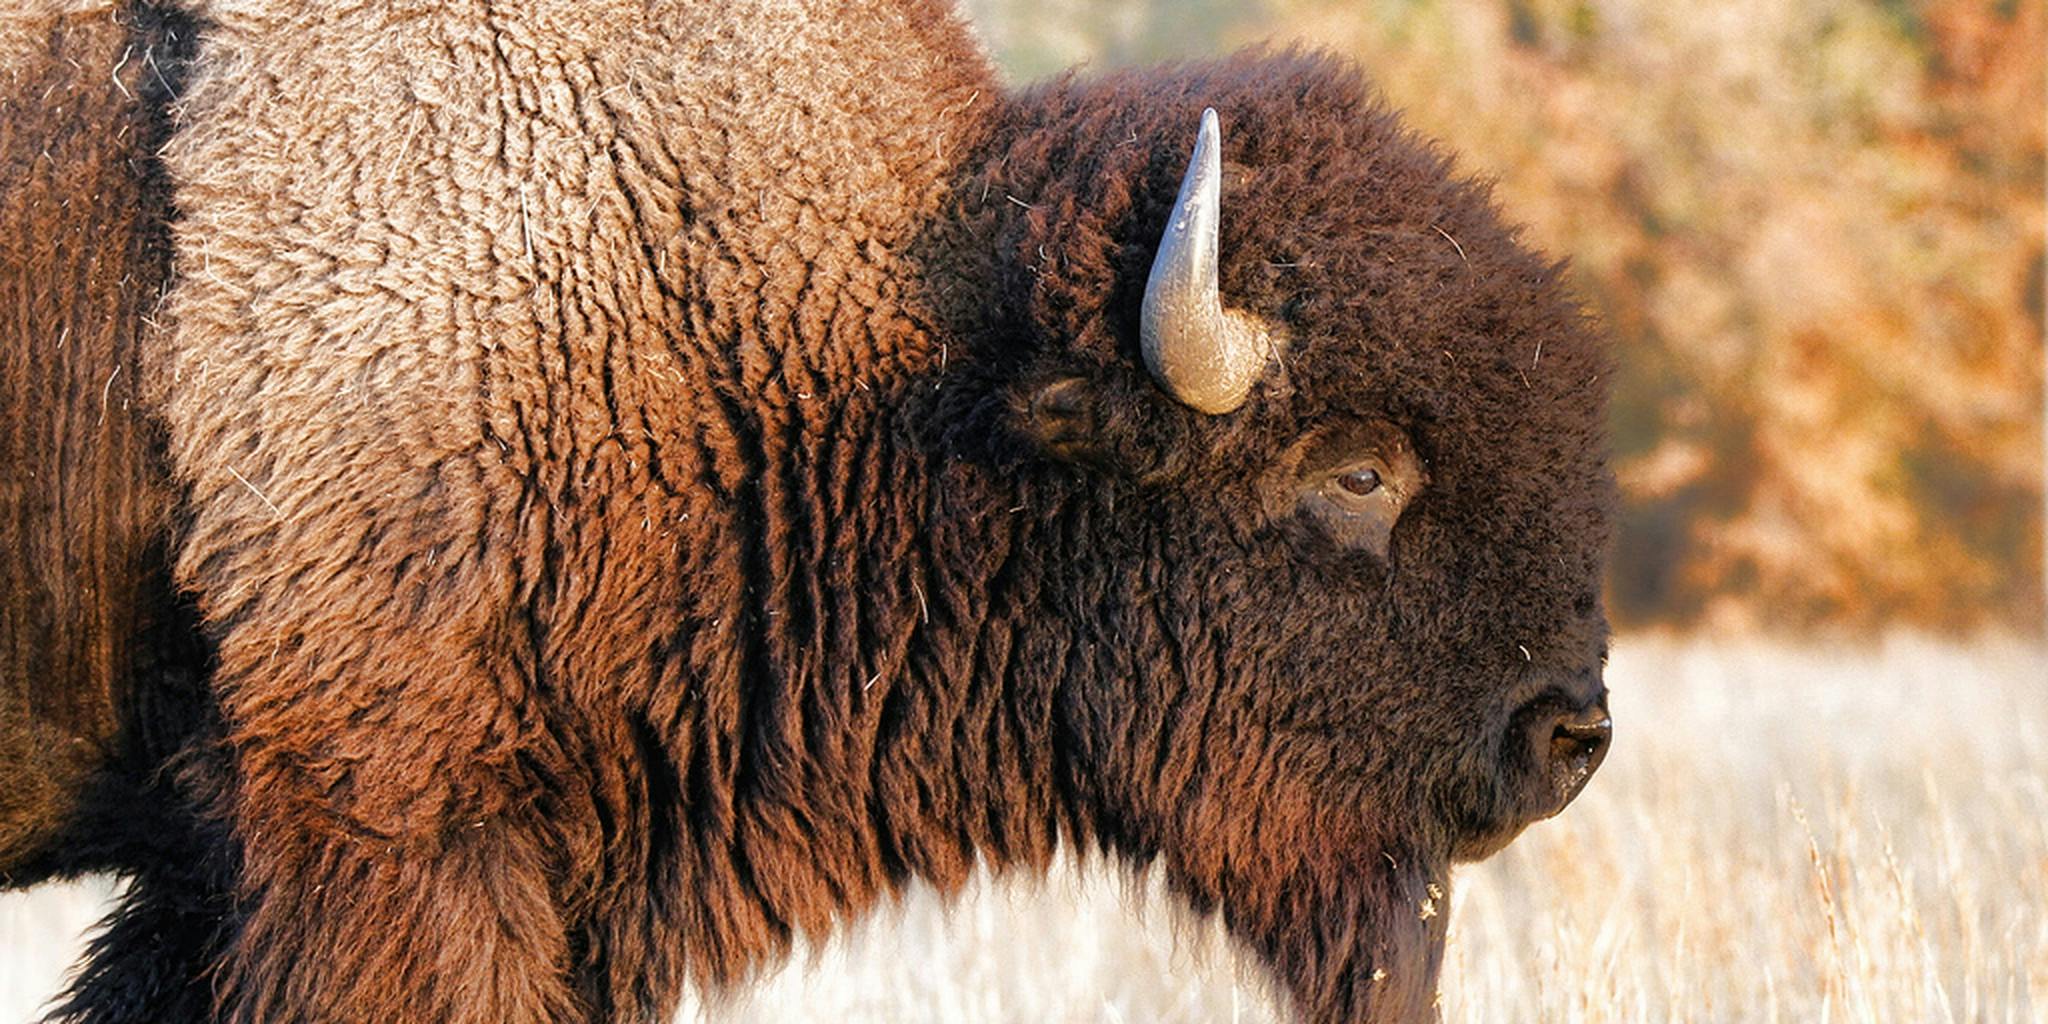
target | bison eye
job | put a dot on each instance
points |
(1360, 482)
(1359, 503)
(1364, 489)
(1351, 478)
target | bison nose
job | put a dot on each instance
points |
(1567, 744)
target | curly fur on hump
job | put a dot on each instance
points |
(615, 483)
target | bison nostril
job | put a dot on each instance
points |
(1551, 750)
(1566, 745)
(1576, 745)
(1556, 742)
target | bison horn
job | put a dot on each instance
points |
(1205, 355)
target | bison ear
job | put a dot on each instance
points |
(1061, 417)
(1093, 422)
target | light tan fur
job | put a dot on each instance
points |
(459, 285)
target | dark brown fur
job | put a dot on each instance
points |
(631, 541)
(89, 637)
(105, 730)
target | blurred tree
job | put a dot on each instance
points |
(1035, 39)
(1816, 229)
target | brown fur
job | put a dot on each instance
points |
(84, 256)
(616, 493)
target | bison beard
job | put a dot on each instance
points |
(651, 480)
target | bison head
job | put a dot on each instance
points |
(1316, 448)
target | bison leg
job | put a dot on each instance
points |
(349, 930)
(387, 793)
(390, 741)
(153, 961)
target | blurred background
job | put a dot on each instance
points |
(1815, 228)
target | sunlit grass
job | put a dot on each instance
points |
(1789, 833)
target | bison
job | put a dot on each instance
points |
(513, 507)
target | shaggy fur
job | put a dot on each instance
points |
(619, 490)
(98, 665)
(106, 734)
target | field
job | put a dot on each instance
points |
(1796, 833)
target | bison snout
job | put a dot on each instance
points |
(1566, 745)
(1552, 746)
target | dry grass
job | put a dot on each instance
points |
(1783, 833)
